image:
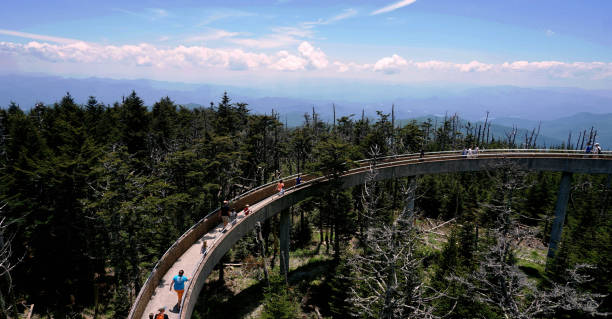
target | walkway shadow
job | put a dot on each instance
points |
(219, 302)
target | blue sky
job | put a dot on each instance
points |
(264, 43)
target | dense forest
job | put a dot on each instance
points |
(92, 195)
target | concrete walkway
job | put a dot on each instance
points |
(188, 262)
(403, 166)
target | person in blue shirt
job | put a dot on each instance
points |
(179, 286)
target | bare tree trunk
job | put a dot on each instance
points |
(262, 249)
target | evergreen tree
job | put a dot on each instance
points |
(278, 301)
(134, 125)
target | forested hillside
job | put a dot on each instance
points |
(92, 195)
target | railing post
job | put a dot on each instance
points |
(560, 209)
(285, 231)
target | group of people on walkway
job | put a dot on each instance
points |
(596, 149)
(280, 186)
(227, 214)
(470, 152)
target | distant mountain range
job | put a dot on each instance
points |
(561, 128)
(560, 110)
(552, 133)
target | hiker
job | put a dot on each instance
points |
(476, 150)
(588, 149)
(225, 213)
(233, 216)
(160, 314)
(597, 149)
(470, 152)
(246, 210)
(464, 152)
(422, 153)
(179, 286)
(298, 180)
(280, 187)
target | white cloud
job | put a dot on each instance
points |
(345, 14)
(37, 36)
(281, 37)
(214, 34)
(289, 62)
(268, 42)
(315, 56)
(304, 58)
(342, 67)
(474, 66)
(550, 33)
(390, 65)
(393, 6)
(286, 36)
(595, 70)
(299, 32)
(432, 65)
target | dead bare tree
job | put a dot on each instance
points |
(369, 197)
(499, 282)
(511, 136)
(387, 271)
(7, 306)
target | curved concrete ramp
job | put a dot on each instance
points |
(187, 252)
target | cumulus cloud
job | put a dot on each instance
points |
(474, 66)
(390, 65)
(341, 67)
(305, 58)
(315, 56)
(596, 70)
(433, 65)
(141, 55)
(289, 62)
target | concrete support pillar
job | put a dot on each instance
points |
(285, 231)
(560, 209)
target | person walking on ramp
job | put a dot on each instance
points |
(161, 314)
(179, 286)
(225, 214)
(280, 187)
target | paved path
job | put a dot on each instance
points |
(189, 262)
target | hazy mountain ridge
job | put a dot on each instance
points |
(561, 128)
(561, 110)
